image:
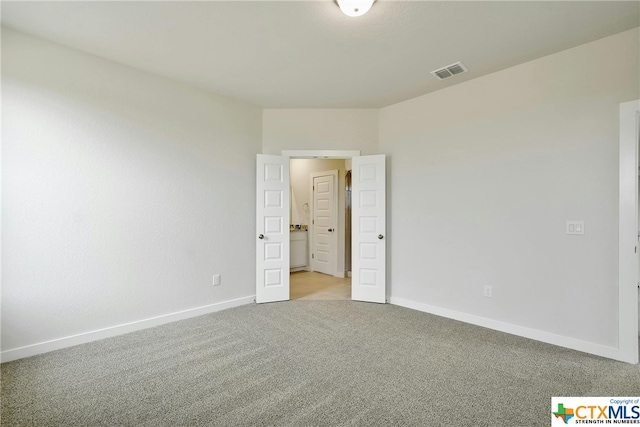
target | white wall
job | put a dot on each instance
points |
(483, 177)
(300, 171)
(123, 193)
(319, 129)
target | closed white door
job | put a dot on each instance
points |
(368, 282)
(323, 226)
(272, 228)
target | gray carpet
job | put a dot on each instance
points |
(306, 363)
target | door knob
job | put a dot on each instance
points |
(260, 236)
(331, 230)
(380, 236)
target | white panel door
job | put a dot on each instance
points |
(368, 229)
(272, 229)
(323, 227)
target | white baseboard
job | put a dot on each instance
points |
(85, 337)
(534, 334)
(550, 338)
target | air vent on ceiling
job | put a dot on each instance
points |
(449, 71)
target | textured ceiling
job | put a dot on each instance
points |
(307, 54)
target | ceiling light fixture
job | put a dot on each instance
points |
(355, 8)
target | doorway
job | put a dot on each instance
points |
(368, 218)
(317, 229)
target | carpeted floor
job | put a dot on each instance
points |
(306, 363)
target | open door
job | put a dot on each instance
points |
(368, 229)
(272, 228)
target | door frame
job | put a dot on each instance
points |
(320, 154)
(334, 237)
(287, 155)
(628, 233)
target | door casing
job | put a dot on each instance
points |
(627, 350)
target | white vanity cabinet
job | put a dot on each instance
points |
(298, 249)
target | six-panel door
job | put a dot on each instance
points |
(368, 282)
(272, 229)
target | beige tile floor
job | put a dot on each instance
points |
(309, 285)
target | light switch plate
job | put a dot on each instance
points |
(575, 227)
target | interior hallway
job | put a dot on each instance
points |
(309, 285)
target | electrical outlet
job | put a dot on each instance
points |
(488, 291)
(575, 227)
(216, 280)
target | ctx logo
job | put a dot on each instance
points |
(564, 413)
(582, 412)
(595, 410)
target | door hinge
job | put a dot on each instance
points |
(313, 221)
(312, 255)
(313, 187)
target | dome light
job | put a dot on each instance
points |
(355, 8)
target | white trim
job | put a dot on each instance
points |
(334, 238)
(628, 233)
(111, 331)
(320, 154)
(534, 334)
